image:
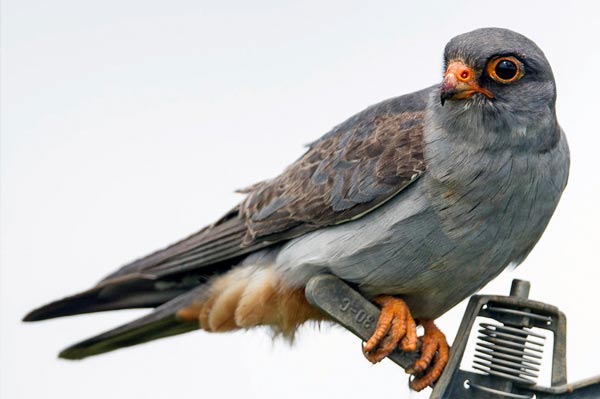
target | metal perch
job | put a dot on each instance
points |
(508, 352)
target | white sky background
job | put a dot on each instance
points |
(126, 125)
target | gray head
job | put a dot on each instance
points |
(499, 80)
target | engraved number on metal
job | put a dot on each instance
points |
(360, 315)
(345, 305)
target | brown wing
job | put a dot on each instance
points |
(341, 177)
(350, 171)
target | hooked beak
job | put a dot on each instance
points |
(459, 83)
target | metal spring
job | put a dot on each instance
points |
(509, 353)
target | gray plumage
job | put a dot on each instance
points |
(407, 198)
(495, 173)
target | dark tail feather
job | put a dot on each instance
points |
(131, 294)
(161, 323)
(161, 276)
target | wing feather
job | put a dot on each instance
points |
(350, 171)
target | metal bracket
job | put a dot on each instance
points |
(350, 309)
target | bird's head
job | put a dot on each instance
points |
(498, 76)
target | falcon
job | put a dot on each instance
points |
(417, 202)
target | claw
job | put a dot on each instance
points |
(434, 342)
(395, 327)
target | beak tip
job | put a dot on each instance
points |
(445, 95)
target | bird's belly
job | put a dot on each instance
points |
(426, 245)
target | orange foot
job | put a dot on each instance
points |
(431, 363)
(395, 328)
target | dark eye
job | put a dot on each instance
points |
(505, 69)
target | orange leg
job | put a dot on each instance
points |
(395, 327)
(433, 341)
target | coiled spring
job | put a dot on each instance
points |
(509, 352)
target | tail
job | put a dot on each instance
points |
(162, 322)
(168, 280)
(127, 293)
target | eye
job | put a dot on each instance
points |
(505, 69)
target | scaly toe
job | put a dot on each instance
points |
(395, 323)
(410, 340)
(384, 347)
(434, 342)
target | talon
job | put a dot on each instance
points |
(395, 327)
(434, 342)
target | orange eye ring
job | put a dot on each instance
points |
(505, 69)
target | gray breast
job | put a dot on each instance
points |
(445, 236)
